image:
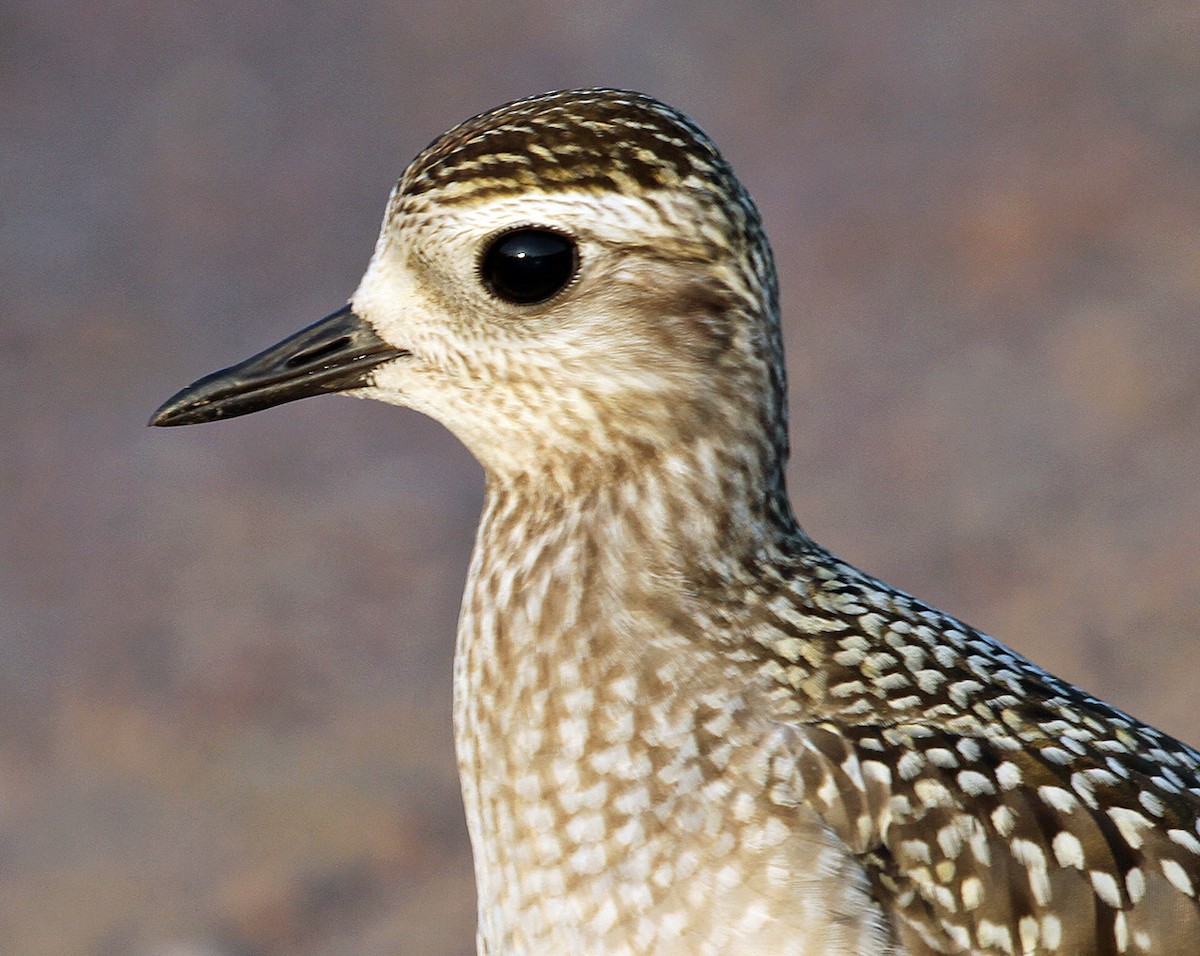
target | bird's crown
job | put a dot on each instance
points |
(589, 139)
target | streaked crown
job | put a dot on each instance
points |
(591, 139)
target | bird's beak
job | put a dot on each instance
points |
(333, 355)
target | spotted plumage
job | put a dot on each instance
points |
(682, 726)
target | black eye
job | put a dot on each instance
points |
(528, 265)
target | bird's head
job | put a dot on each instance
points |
(569, 281)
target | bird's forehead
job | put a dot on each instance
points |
(596, 140)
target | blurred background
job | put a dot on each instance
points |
(225, 651)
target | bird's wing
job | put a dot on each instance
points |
(988, 845)
(995, 808)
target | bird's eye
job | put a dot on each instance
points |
(525, 266)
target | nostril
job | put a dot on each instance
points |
(315, 354)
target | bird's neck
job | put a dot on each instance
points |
(578, 605)
(612, 535)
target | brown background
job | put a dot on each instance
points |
(225, 651)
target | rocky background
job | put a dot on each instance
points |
(225, 651)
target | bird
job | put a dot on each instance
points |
(682, 726)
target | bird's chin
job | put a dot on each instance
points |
(389, 396)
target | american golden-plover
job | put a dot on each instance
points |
(682, 726)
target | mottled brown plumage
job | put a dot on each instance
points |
(682, 726)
